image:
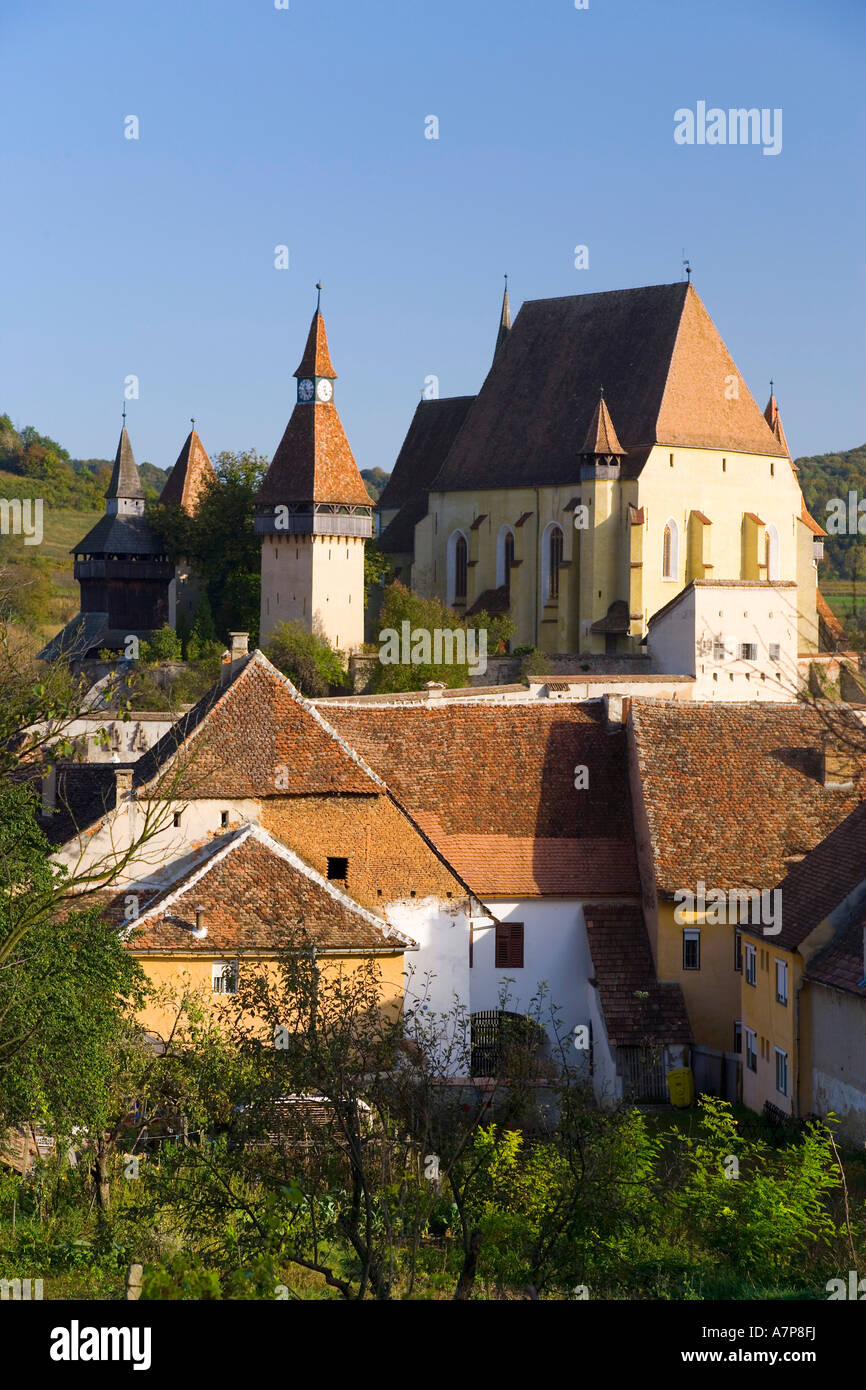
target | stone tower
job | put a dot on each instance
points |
(314, 513)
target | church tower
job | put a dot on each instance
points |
(314, 513)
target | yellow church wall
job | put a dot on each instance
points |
(614, 560)
(187, 973)
(698, 481)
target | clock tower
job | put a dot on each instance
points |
(314, 513)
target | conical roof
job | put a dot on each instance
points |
(504, 323)
(188, 478)
(601, 436)
(774, 420)
(316, 360)
(125, 481)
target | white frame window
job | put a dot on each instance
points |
(781, 981)
(751, 964)
(751, 1049)
(691, 948)
(781, 1071)
(224, 977)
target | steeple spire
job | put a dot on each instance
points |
(316, 361)
(125, 485)
(504, 323)
(191, 473)
(774, 420)
(601, 437)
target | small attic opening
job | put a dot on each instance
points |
(338, 867)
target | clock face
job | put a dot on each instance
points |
(324, 390)
(305, 390)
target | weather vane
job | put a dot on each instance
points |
(686, 263)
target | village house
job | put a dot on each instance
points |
(804, 991)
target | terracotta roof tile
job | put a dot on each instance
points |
(257, 895)
(732, 791)
(515, 822)
(624, 972)
(316, 360)
(313, 462)
(663, 366)
(189, 477)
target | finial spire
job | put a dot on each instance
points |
(319, 287)
(123, 413)
(192, 421)
(504, 323)
(688, 267)
(772, 392)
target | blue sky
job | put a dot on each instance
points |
(305, 127)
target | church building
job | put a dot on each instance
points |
(314, 513)
(613, 455)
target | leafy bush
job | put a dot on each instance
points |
(307, 658)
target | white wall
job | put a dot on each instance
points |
(684, 640)
(556, 953)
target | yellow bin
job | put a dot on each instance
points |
(681, 1084)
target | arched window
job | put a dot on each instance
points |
(504, 557)
(551, 559)
(772, 553)
(509, 561)
(670, 550)
(457, 567)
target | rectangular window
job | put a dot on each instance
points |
(738, 951)
(748, 651)
(751, 965)
(751, 1050)
(738, 1037)
(691, 950)
(719, 652)
(224, 977)
(781, 1071)
(781, 982)
(775, 651)
(224, 819)
(509, 946)
(338, 868)
(176, 819)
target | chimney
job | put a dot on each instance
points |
(49, 790)
(122, 783)
(199, 930)
(616, 711)
(839, 764)
(240, 648)
(434, 689)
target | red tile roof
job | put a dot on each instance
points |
(237, 737)
(601, 436)
(514, 823)
(257, 895)
(189, 477)
(661, 362)
(732, 791)
(841, 964)
(316, 360)
(820, 882)
(637, 1009)
(313, 462)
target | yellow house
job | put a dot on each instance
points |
(613, 455)
(243, 901)
(726, 798)
(804, 991)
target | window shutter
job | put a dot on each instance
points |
(509, 946)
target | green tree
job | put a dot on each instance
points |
(307, 658)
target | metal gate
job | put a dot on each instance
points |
(642, 1071)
